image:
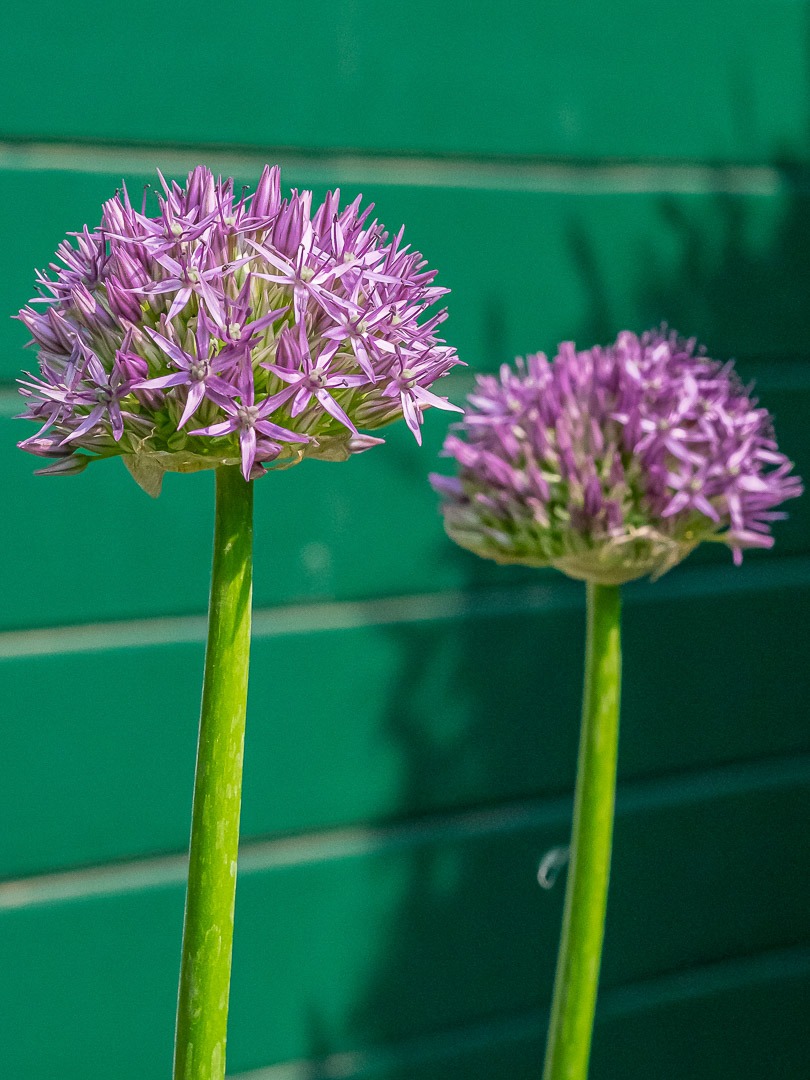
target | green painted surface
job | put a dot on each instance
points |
(359, 949)
(719, 81)
(571, 170)
(405, 719)
(716, 1022)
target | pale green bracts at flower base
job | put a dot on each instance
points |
(238, 334)
(609, 464)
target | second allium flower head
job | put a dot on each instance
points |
(613, 463)
(230, 329)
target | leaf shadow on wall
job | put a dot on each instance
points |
(484, 708)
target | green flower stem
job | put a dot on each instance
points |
(572, 1012)
(205, 971)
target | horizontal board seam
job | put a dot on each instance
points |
(774, 573)
(490, 172)
(258, 856)
(614, 1003)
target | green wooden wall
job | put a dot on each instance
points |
(572, 169)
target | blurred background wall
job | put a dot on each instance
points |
(572, 169)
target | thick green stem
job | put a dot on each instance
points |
(572, 1012)
(205, 971)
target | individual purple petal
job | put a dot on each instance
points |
(223, 427)
(196, 392)
(334, 409)
(360, 443)
(162, 382)
(247, 442)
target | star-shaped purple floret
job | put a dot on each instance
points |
(249, 421)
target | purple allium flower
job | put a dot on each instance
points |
(615, 462)
(229, 329)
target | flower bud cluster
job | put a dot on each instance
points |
(615, 462)
(229, 330)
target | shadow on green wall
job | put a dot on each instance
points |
(491, 704)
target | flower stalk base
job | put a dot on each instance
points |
(205, 972)
(575, 986)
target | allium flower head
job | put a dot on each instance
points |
(229, 329)
(615, 462)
